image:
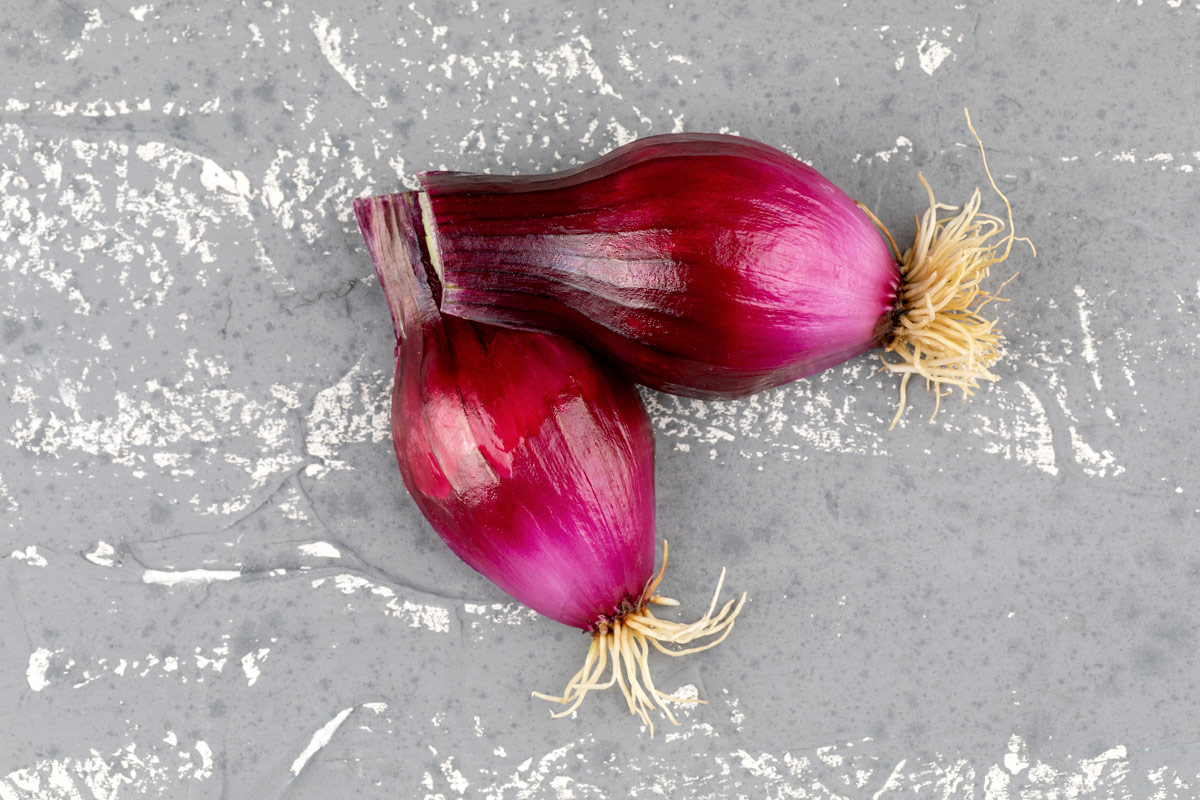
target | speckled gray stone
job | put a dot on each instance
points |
(218, 587)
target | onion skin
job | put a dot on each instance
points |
(532, 460)
(704, 265)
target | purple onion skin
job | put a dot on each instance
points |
(704, 265)
(531, 459)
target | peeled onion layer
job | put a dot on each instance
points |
(533, 461)
(713, 266)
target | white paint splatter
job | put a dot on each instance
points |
(214, 178)
(816, 414)
(1014, 759)
(497, 614)
(903, 143)
(932, 54)
(129, 771)
(39, 663)
(1178, 162)
(417, 615)
(94, 22)
(847, 769)
(79, 672)
(355, 409)
(1095, 463)
(162, 418)
(457, 782)
(30, 556)
(7, 501)
(216, 662)
(205, 770)
(251, 664)
(572, 59)
(231, 187)
(150, 224)
(329, 40)
(102, 554)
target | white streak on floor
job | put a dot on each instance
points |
(1033, 434)
(189, 577)
(320, 739)
(893, 781)
(1089, 344)
(320, 550)
(1179, 162)
(329, 40)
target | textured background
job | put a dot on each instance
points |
(217, 586)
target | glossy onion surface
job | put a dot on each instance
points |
(532, 460)
(704, 265)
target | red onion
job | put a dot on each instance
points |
(533, 461)
(714, 266)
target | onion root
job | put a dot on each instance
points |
(621, 647)
(941, 333)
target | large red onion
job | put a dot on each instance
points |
(713, 266)
(533, 461)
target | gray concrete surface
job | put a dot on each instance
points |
(218, 587)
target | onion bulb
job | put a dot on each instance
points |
(534, 462)
(714, 266)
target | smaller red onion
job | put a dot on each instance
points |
(534, 462)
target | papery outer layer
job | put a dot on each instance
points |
(702, 264)
(532, 460)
